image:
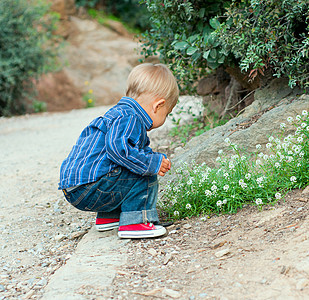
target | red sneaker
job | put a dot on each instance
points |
(102, 224)
(138, 231)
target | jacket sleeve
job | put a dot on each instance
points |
(124, 146)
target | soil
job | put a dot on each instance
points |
(249, 255)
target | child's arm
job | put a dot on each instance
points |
(123, 146)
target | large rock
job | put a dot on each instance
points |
(98, 55)
(247, 130)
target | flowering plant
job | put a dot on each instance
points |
(262, 178)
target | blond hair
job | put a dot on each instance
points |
(156, 80)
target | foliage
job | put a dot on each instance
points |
(269, 34)
(255, 35)
(198, 126)
(242, 179)
(183, 34)
(131, 12)
(24, 50)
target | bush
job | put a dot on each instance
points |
(269, 34)
(183, 34)
(24, 52)
(197, 36)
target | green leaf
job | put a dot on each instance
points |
(191, 50)
(213, 53)
(206, 54)
(214, 23)
(181, 45)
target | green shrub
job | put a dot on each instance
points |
(24, 50)
(269, 34)
(183, 34)
(254, 35)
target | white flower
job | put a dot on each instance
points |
(269, 145)
(226, 175)
(176, 213)
(190, 181)
(188, 206)
(218, 158)
(300, 139)
(277, 165)
(290, 119)
(224, 201)
(278, 196)
(258, 201)
(220, 151)
(282, 125)
(203, 219)
(258, 162)
(293, 179)
(248, 176)
(231, 165)
(271, 156)
(214, 188)
(258, 146)
(261, 154)
(219, 203)
(298, 117)
(243, 158)
(227, 140)
(265, 157)
(208, 193)
(271, 138)
(278, 147)
(260, 179)
(301, 154)
(226, 187)
(304, 113)
(303, 125)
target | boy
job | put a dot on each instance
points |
(111, 169)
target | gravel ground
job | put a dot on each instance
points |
(250, 255)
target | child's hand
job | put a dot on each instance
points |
(165, 166)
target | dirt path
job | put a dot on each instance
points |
(250, 255)
(39, 231)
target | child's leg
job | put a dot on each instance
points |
(136, 195)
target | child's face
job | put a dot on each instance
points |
(159, 117)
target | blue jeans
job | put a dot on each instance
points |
(119, 194)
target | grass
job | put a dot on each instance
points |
(242, 178)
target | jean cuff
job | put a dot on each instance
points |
(109, 215)
(138, 217)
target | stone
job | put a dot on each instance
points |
(204, 148)
(222, 252)
(306, 190)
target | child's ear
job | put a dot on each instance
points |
(158, 104)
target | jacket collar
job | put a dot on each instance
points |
(140, 111)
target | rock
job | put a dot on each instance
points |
(187, 226)
(205, 147)
(171, 293)
(58, 92)
(153, 252)
(60, 237)
(222, 252)
(167, 258)
(64, 8)
(306, 190)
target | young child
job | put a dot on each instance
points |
(111, 169)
